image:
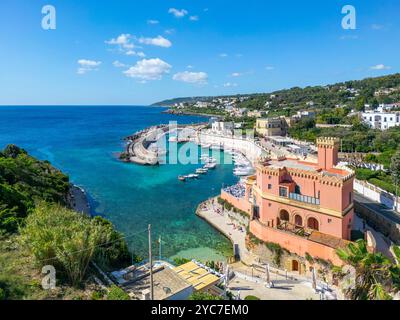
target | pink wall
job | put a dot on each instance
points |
(242, 203)
(270, 210)
(295, 244)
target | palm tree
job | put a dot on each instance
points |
(395, 269)
(373, 278)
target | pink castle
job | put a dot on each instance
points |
(305, 207)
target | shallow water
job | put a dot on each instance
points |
(83, 141)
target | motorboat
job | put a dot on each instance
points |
(201, 171)
(210, 166)
(182, 178)
(243, 171)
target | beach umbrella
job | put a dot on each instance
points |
(314, 279)
(268, 274)
(226, 276)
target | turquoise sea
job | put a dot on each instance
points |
(83, 142)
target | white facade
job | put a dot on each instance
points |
(381, 120)
(223, 127)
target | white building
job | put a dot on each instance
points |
(222, 127)
(202, 104)
(381, 120)
(387, 107)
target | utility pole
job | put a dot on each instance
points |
(159, 241)
(151, 267)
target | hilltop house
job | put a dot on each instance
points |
(381, 120)
(271, 126)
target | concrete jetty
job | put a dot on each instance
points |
(138, 151)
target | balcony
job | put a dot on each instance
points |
(294, 229)
(304, 199)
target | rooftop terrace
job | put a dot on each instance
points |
(305, 166)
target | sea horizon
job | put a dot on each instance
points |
(84, 143)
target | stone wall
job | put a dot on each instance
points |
(379, 222)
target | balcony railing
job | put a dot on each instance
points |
(304, 199)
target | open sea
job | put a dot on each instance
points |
(83, 142)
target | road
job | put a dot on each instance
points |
(378, 208)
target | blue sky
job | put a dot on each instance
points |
(139, 52)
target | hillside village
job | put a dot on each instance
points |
(364, 114)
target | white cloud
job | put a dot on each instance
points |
(87, 65)
(191, 77)
(148, 69)
(194, 18)
(122, 40)
(380, 67)
(170, 31)
(118, 64)
(189, 66)
(178, 13)
(223, 55)
(135, 53)
(153, 21)
(125, 45)
(229, 84)
(236, 74)
(159, 41)
(269, 68)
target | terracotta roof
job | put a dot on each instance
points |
(328, 240)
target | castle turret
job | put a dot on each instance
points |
(328, 152)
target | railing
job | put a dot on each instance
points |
(305, 199)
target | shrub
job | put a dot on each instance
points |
(203, 296)
(116, 293)
(97, 295)
(68, 240)
(277, 250)
(180, 261)
(252, 298)
(383, 185)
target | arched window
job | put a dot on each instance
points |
(298, 220)
(313, 224)
(284, 215)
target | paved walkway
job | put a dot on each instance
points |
(249, 282)
(214, 214)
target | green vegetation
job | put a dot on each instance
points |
(277, 250)
(252, 298)
(203, 296)
(180, 261)
(37, 228)
(375, 278)
(23, 180)
(379, 178)
(290, 100)
(116, 293)
(70, 241)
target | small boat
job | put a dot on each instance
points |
(215, 147)
(210, 166)
(201, 171)
(192, 176)
(173, 139)
(182, 178)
